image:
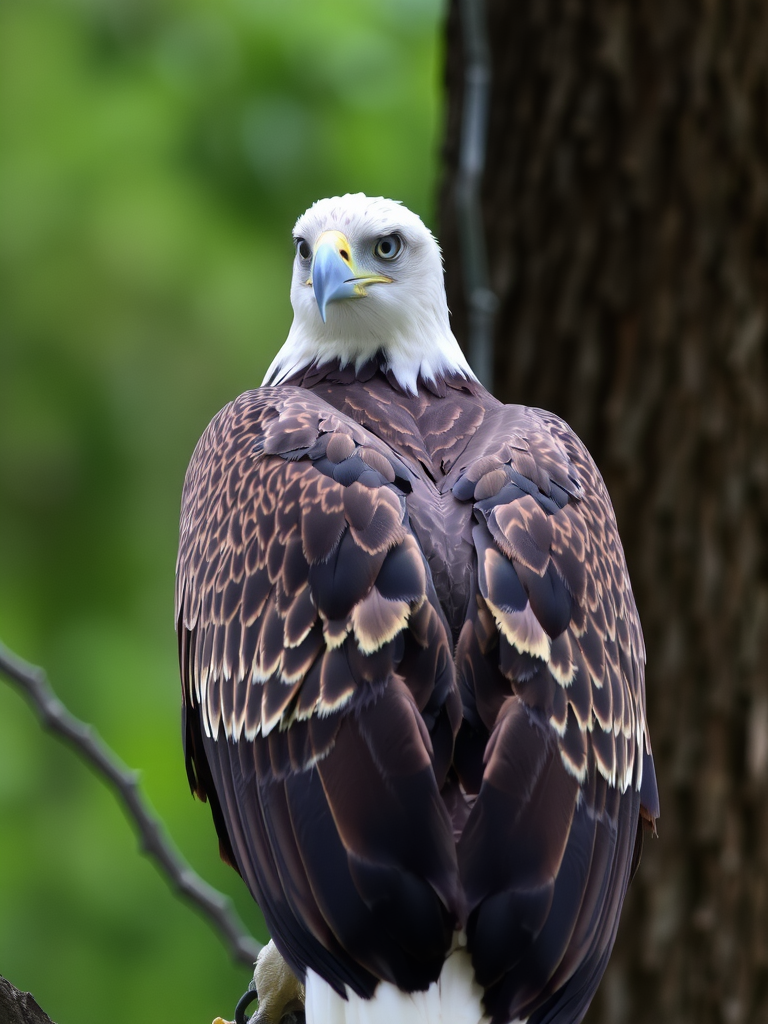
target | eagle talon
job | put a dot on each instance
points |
(278, 990)
(243, 1003)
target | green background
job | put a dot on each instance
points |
(153, 158)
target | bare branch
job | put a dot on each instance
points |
(153, 840)
(19, 1007)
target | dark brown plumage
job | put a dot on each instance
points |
(413, 678)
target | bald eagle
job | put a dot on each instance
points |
(411, 661)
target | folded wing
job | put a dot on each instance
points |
(320, 696)
(554, 742)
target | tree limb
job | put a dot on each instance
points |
(153, 840)
(19, 1007)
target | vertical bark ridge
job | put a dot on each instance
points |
(626, 211)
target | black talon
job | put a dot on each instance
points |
(245, 1001)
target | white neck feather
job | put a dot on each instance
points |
(422, 346)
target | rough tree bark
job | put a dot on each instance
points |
(19, 1007)
(626, 210)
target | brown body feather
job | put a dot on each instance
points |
(413, 677)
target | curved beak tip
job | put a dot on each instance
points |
(333, 278)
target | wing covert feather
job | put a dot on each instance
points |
(550, 664)
(316, 666)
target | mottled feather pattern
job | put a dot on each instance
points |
(287, 568)
(550, 663)
(552, 574)
(315, 648)
(413, 665)
(425, 433)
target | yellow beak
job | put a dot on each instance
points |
(335, 275)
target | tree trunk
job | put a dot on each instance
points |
(626, 210)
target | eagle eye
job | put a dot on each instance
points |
(303, 249)
(388, 247)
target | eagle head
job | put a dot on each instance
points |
(367, 280)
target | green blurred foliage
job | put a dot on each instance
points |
(153, 157)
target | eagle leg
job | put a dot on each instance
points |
(278, 990)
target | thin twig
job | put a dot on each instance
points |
(152, 837)
(481, 300)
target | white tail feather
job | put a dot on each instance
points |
(455, 998)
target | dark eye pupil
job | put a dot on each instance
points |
(388, 247)
(304, 251)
